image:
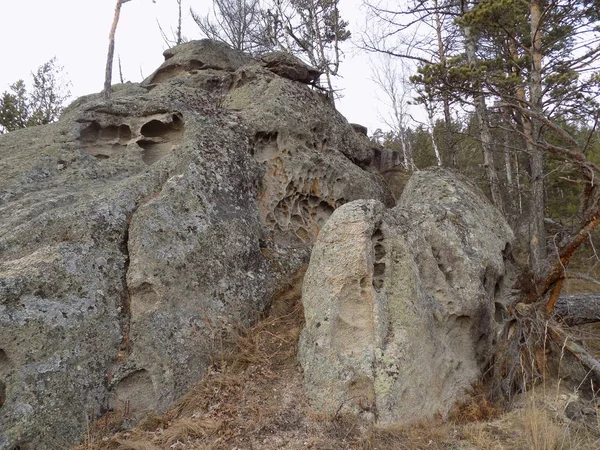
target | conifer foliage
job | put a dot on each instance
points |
(43, 104)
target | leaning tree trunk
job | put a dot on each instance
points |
(111, 49)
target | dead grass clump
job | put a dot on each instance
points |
(541, 431)
(483, 438)
(133, 440)
(129, 443)
(476, 408)
(188, 429)
(424, 435)
(544, 428)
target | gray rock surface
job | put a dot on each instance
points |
(195, 56)
(400, 304)
(288, 66)
(135, 232)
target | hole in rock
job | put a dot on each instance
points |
(460, 320)
(156, 128)
(135, 394)
(104, 151)
(124, 133)
(488, 281)
(160, 138)
(90, 133)
(2, 393)
(266, 136)
(377, 236)
(378, 272)
(498, 288)
(143, 299)
(21, 446)
(507, 250)
(265, 146)
(378, 269)
(379, 251)
(313, 201)
(108, 133)
(4, 362)
(500, 312)
(324, 210)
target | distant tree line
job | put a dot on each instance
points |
(42, 104)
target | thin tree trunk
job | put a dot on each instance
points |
(445, 100)
(537, 235)
(111, 49)
(436, 150)
(482, 120)
(179, 38)
(120, 71)
(518, 178)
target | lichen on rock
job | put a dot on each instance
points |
(136, 232)
(399, 303)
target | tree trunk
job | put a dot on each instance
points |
(482, 120)
(179, 37)
(451, 151)
(111, 49)
(436, 150)
(578, 309)
(537, 234)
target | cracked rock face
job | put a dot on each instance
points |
(135, 232)
(401, 303)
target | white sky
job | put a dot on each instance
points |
(76, 32)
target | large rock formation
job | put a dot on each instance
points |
(134, 232)
(401, 303)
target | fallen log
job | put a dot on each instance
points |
(578, 309)
(564, 340)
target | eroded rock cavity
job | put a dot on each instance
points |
(136, 232)
(154, 137)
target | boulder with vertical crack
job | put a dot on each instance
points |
(401, 304)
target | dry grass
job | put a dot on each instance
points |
(421, 436)
(188, 429)
(541, 431)
(477, 407)
(252, 397)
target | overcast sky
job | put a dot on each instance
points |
(76, 32)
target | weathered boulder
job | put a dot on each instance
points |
(400, 303)
(194, 56)
(135, 232)
(313, 162)
(288, 66)
(361, 129)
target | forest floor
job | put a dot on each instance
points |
(253, 398)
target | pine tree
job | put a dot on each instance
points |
(44, 104)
